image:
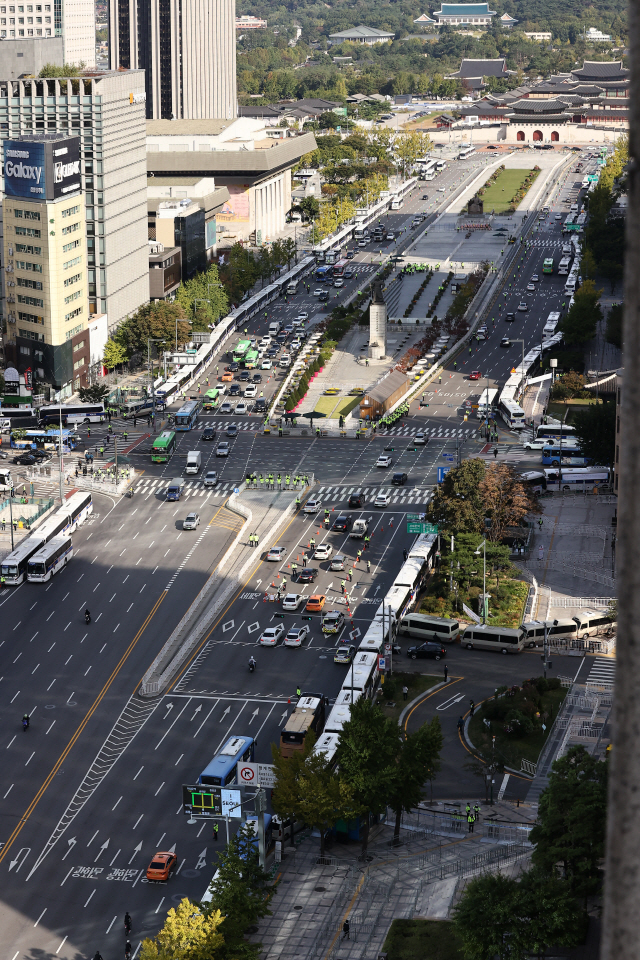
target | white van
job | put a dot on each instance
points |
(274, 328)
(423, 627)
(292, 288)
(565, 629)
(5, 477)
(194, 462)
(483, 636)
(593, 623)
(570, 286)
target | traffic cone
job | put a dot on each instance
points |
(278, 576)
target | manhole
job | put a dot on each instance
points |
(320, 889)
(50, 706)
(189, 874)
(297, 908)
(179, 897)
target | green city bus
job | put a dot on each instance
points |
(251, 359)
(547, 266)
(240, 350)
(211, 400)
(163, 447)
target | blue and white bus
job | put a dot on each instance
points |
(223, 768)
(555, 432)
(49, 559)
(72, 413)
(324, 273)
(187, 415)
(565, 454)
(582, 479)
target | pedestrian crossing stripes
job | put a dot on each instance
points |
(603, 670)
(451, 433)
(195, 488)
(507, 453)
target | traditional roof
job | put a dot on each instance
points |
(538, 107)
(362, 33)
(425, 19)
(596, 70)
(505, 18)
(481, 68)
(464, 10)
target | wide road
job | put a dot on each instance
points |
(92, 828)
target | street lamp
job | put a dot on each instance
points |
(483, 545)
(150, 340)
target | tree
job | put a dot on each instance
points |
(572, 820)
(367, 755)
(612, 271)
(308, 789)
(456, 504)
(156, 321)
(614, 325)
(505, 498)
(596, 431)
(114, 354)
(418, 761)
(67, 70)
(95, 393)
(240, 893)
(579, 325)
(547, 914)
(484, 917)
(188, 934)
(310, 207)
(207, 294)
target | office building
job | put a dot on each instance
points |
(32, 29)
(187, 52)
(180, 223)
(106, 113)
(45, 258)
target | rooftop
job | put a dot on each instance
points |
(387, 386)
(464, 10)
(482, 68)
(362, 33)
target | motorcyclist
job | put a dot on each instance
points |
(25, 722)
(127, 923)
(252, 663)
(87, 616)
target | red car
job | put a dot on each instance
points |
(475, 375)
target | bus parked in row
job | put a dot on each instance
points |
(309, 714)
(65, 520)
(72, 413)
(49, 559)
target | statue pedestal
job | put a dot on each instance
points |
(377, 330)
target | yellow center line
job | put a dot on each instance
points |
(80, 729)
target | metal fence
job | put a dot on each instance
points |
(601, 603)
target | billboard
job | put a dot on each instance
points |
(42, 169)
(236, 208)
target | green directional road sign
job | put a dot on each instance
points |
(592, 177)
(422, 528)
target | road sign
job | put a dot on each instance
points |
(387, 649)
(256, 774)
(592, 177)
(381, 663)
(422, 528)
(202, 801)
(442, 472)
(231, 803)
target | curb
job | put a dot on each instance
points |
(417, 699)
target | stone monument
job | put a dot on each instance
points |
(377, 323)
(475, 207)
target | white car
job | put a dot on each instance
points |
(284, 360)
(225, 407)
(420, 439)
(271, 635)
(241, 407)
(384, 461)
(535, 444)
(382, 500)
(302, 316)
(523, 306)
(296, 344)
(266, 365)
(222, 450)
(312, 506)
(362, 243)
(531, 287)
(211, 478)
(318, 291)
(191, 521)
(265, 342)
(276, 554)
(295, 636)
(291, 601)
(250, 391)
(289, 328)
(323, 551)
(338, 282)
(535, 278)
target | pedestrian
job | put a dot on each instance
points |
(345, 930)
(446, 673)
(298, 692)
(471, 820)
(405, 555)
(405, 692)
(472, 707)
(495, 453)
(540, 552)
(476, 810)
(350, 574)
(368, 566)
(460, 725)
(215, 832)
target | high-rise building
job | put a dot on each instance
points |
(31, 28)
(187, 51)
(45, 258)
(107, 114)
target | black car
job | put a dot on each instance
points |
(272, 352)
(307, 575)
(324, 296)
(234, 390)
(42, 455)
(399, 479)
(505, 342)
(510, 317)
(428, 649)
(244, 376)
(342, 523)
(233, 367)
(357, 500)
(208, 433)
(350, 254)
(260, 405)
(25, 459)
(256, 378)
(425, 196)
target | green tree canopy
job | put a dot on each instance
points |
(596, 431)
(572, 820)
(615, 325)
(457, 504)
(67, 70)
(156, 321)
(114, 354)
(94, 393)
(187, 934)
(203, 298)
(579, 325)
(418, 762)
(241, 892)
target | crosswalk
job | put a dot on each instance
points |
(192, 488)
(507, 453)
(398, 494)
(603, 670)
(437, 433)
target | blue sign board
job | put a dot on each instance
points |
(442, 472)
(24, 170)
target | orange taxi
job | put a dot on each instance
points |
(227, 377)
(315, 603)
(161, 867)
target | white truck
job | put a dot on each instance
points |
(274, 328)
(194, 462)
(359, 529)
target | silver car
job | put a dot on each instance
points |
(191, 521)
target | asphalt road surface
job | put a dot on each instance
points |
(93, 788)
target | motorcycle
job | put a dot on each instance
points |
(252, 666)
(87, 617)
(130, 493)
(25, 722)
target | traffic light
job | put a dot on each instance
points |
(280, 616)
(307, 618)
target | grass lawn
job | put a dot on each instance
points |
(422, 122)
(326, 405)
(512, 749)
(416, 682)
(558, 409)
(497, 196)
(423, 940)
(506, 604)
(345, 405)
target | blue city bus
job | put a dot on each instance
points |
(187, 415)
(324, 273)
(566, 455)
(222, 769)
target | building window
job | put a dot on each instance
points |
(72, 263)
(71, 333)
(78, 363)
(70, 246)
(73, 296)
(30, 318)
(34, 284)
(27, 265)
(27, 232)
(26, 248)
(70, 229)
(32, 301)
(74, 313)
(30, 334)
(71, 280)
(70, 211)
(78, 346)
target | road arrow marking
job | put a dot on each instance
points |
(451, 702)
(202, 860)
(196, 712)
(137, 850)
(72, 844)
(27, 851)
(228, 710)
(284, 716)
(258, 582)
(169, 709)
(253, 715)
(102, 849)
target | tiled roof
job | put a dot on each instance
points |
(360, 33)
(482, 68)
(594, 69)
(539, 107)
(464, 10)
